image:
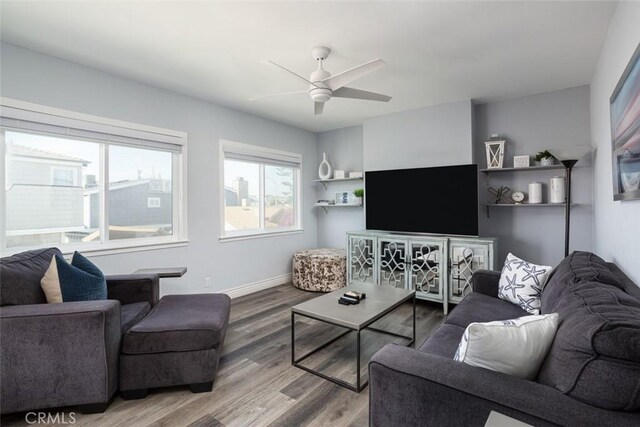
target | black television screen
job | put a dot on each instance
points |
(441, 200)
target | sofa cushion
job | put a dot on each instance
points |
(130, 314)
(527, 339)
(50, 283)
(577, 267)
(443, 342)
(521, 283)
(81, 280)
(180, 323)
(477, 307)
(20, 276)
(595, 357)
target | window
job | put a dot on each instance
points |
(260, 190)
(153, 202)
(88, 184)
(64, 177)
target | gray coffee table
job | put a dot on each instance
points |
(380, 301)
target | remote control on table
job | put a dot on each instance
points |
(351, 300)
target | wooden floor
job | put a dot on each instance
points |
(256, 384)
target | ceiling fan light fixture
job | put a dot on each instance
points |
(320, 94)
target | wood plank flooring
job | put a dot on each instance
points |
(256, 384)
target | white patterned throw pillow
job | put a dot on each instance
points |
(515, 347)
(521, 283)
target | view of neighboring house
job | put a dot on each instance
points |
(33, 189)
(137, 208)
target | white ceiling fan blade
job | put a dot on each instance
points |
(273, 95)
(349, 92)
(290, 72)
(318, 108)
(346, 77)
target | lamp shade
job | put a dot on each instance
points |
(570, 153)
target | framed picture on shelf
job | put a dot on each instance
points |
(520, 161)
(345, 198)
(625, 132)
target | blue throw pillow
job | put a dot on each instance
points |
(81, 280)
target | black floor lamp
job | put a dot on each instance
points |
(568, 157)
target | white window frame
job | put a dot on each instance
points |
(237, 147)
(58, 117)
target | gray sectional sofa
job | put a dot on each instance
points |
(63, 354)
(81, 353)
(591, 375)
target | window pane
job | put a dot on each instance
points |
(49, 182)
(140, 193)
(241, 196)
(279, 193)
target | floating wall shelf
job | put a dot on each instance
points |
(341, 205)
(524, 205)
(530, 168)
(324, 182)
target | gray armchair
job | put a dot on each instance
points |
(65, 354)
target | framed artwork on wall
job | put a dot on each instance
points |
(625, 132)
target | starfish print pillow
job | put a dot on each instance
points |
(521, 283)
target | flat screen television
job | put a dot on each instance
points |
(440, 200)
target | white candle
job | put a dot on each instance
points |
(535, 192)
(556, 190)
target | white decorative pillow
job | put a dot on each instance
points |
(514, 347)
(521, 283)
(50, 283)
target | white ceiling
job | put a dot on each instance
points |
(436, 52)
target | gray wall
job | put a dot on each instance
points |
(617, 234)
(432, 136)
(33, 77)
(531, 124)
(344, 151)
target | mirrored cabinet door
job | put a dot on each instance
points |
(361, 259)
(426, 268)
(392, 265)
(464, 259)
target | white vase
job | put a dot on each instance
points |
(325, 169)
(549, 161)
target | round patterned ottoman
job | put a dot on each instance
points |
(319, 270)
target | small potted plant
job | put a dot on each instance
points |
(359, 193)
(545, 158)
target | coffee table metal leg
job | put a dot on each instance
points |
(414, 321)
(358, 360)
(293, 339)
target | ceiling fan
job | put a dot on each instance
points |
(323, 86)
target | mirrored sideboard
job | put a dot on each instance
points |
(437, 267)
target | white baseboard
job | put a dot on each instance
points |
(260, 285)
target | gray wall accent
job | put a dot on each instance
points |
(617, 235)
(432, 136)
(531, 124)
(38, 78)
(344, 151)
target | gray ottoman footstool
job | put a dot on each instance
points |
(178, 343)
